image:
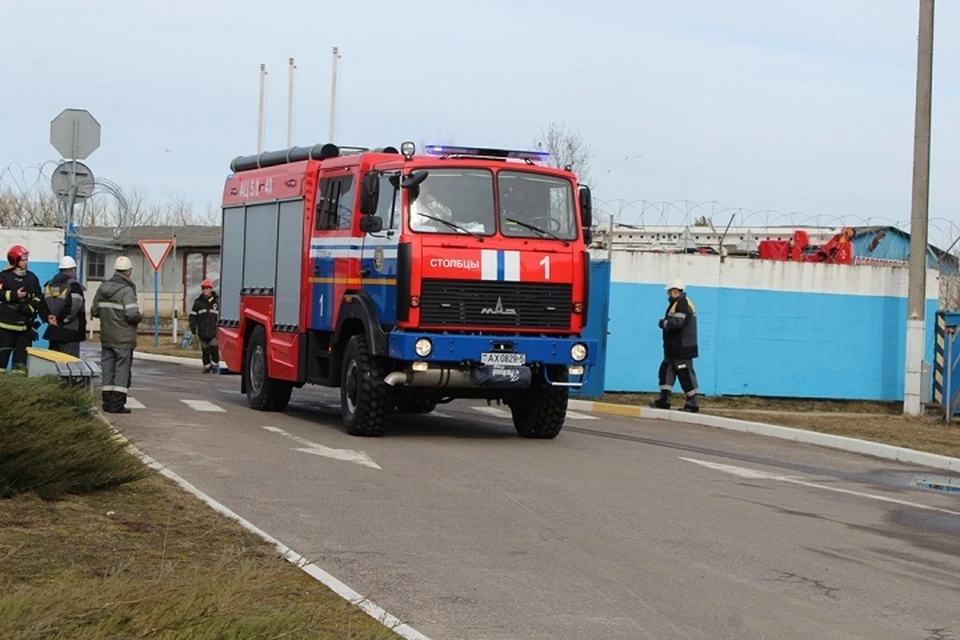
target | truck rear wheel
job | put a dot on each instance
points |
(364, 401)
(541, 411)
(263, 392)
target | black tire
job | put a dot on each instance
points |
(364, 399)
(541, 411)
(263, 392)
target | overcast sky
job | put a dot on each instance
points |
(787, 105)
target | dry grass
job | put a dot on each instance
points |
(95, 545)
(881, 422)
(166, 347)
(148, 560)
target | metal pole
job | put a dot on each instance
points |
(156, 308)
(916, 300)
(176, 290)
(290, 107)
(333, 94)
(263, 77)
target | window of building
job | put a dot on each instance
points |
(96, 265)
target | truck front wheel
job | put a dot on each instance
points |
(263, 392)
(364, 398)
(542, 409)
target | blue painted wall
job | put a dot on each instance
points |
(768, 343)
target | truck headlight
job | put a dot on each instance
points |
(423, 347)
(578, 352)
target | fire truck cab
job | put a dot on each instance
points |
(406, 280)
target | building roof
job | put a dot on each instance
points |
(107, 238)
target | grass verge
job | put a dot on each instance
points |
(881, 422)
(137, 556)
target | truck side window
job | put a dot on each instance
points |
(336, 200)
(388, 208)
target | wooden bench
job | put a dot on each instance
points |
(79, 373)
(70, 370)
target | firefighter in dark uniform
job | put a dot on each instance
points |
(203, 323)
(20, 299)
(679, 326)
(65, 310)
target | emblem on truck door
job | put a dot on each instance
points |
(378, 258)
(498, 310)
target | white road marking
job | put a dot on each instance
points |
(440, 414)
(347, 455)
(580, 416)
(495, 412)
(755, 474)
(202, 405)
(133, 403)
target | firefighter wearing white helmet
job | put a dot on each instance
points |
(115, 304)
(64, 309)
(679, 325)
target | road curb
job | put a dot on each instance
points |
(853, 445)
(369, 607)
(155, 357)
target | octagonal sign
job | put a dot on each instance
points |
(75, 134)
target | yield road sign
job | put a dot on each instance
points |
(75, 134)
(156, 251)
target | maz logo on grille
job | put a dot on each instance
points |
(498, 310)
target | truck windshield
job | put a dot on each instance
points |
(536, 206)
(454, 201)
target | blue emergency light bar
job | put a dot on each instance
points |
(454, 150)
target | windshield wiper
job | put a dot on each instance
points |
(452, 225)
(542, 232)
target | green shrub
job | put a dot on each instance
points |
(52, 445)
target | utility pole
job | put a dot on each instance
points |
(333, 94)
(919, 218)
(293, 69)
(263, 78)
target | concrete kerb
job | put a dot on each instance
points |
(369, 607)
(853, 445)
(154, 357)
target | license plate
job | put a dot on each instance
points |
(504, 359)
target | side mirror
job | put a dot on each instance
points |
(586, 213)
(370, 196)
(371, 224)
(413, 179)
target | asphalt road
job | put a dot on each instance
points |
(619, 528)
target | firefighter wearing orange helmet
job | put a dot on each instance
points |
(203, 323)
(20, 299)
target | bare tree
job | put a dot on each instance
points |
(28, 209)
(567, 149)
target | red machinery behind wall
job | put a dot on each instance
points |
(837, 250)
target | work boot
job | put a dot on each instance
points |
(663, 402)
(691, 405)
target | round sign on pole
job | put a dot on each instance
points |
(75, 134)
(60, 181)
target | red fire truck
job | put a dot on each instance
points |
(406, 280)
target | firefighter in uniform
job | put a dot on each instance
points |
(115, 303)
(20, 298)
(679, 326)
(64, 309)
(203, 323)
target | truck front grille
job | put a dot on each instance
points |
(508, 305)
